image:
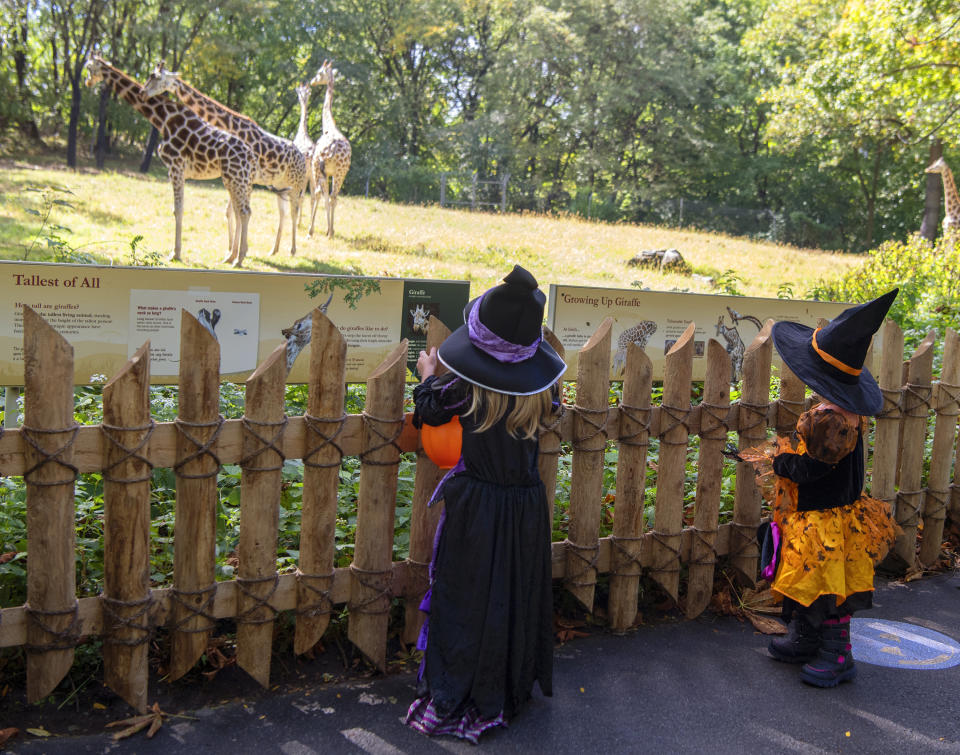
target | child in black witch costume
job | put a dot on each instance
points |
(488, 635)
(832, 534)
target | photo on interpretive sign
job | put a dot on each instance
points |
(421, 299)
(655, 320)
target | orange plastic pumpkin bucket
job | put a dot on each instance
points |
(442, 443)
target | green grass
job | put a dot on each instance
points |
(109, 208)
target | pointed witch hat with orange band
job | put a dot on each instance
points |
(830, 359)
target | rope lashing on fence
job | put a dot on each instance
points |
(380, 582)
(718, 414)
(114, 620)
(65, 639)
(589, 562)
(324, 603)
(268, 444)
(921, 396)
(710, 556)
(421, 578)
(625, 563)
(671, 562)
(909, 506)
(793, 409)
(597, 427)
(203, 447)
(759, 412)
(50, 457)
(129, 452)
(553, 429)
(244, 585)
(640, 416)
(388, 440)
(678, 416)
(746, 537)
(891, 404)
(313, 425)
(202, 609)
(938, 511)
(949, 394)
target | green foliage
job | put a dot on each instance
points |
(354, 288)
(928, 276)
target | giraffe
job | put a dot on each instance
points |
(280, 165)
(302, 139)
(951, 202)
(331, 155)
(189, 148)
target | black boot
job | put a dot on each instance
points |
(799, 645)
(834, 662)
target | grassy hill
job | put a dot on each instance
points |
(109, 208)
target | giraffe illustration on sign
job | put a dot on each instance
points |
(280, 165)
(331, 155)
(190, 148)
(638, 334)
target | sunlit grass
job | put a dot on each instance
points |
(111, 207)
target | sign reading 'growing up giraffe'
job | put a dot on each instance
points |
(107, 313)
(654, 320)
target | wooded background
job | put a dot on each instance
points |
(820, 115)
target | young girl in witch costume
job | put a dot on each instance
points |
(832, 534)
(488, 635)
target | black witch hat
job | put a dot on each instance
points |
(830, 359)
(500, 346)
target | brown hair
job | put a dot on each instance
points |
(523, 416)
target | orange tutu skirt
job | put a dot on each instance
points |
(833, 552)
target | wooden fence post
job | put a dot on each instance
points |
(423, 519)
(48, 433)
(634, 438)
(198, 424)
(371, 570)
(883, 477)
(321, 478)
(938, 482)
(264, 422)
(674, 437)
(714, 410)
(752, 425)
(551, 436)
(586, 481)
(916, 406)
(126, 599)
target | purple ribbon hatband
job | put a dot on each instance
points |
(489, 342)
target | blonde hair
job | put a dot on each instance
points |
(524, 417)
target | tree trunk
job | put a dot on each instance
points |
(102, 145)
(74, 119)
(149, 150)
(934, 195)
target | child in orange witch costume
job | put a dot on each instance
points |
(831, 534)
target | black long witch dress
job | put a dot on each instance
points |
(489, 630)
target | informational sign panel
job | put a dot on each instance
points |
(654, 320)
(107, 313)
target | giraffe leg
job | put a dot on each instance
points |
(318, 189)
(295, 203)
(231, 214)
(233, 226)
(282, 202)
(242, 204)
(332, 204)
(176, 178)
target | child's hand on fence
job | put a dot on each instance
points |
(427, 363)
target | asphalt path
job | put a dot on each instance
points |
(702, 686)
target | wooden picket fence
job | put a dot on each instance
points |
(50, 450)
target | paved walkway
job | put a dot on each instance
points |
(703, 686)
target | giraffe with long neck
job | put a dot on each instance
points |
(280, 165)
(951, 201)
(189, 148)
(303, 141)
(331, 155)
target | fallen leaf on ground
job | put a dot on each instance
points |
(38, 732)
(7, 734)
(153, 720)
(765, 624)
(4, 557)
